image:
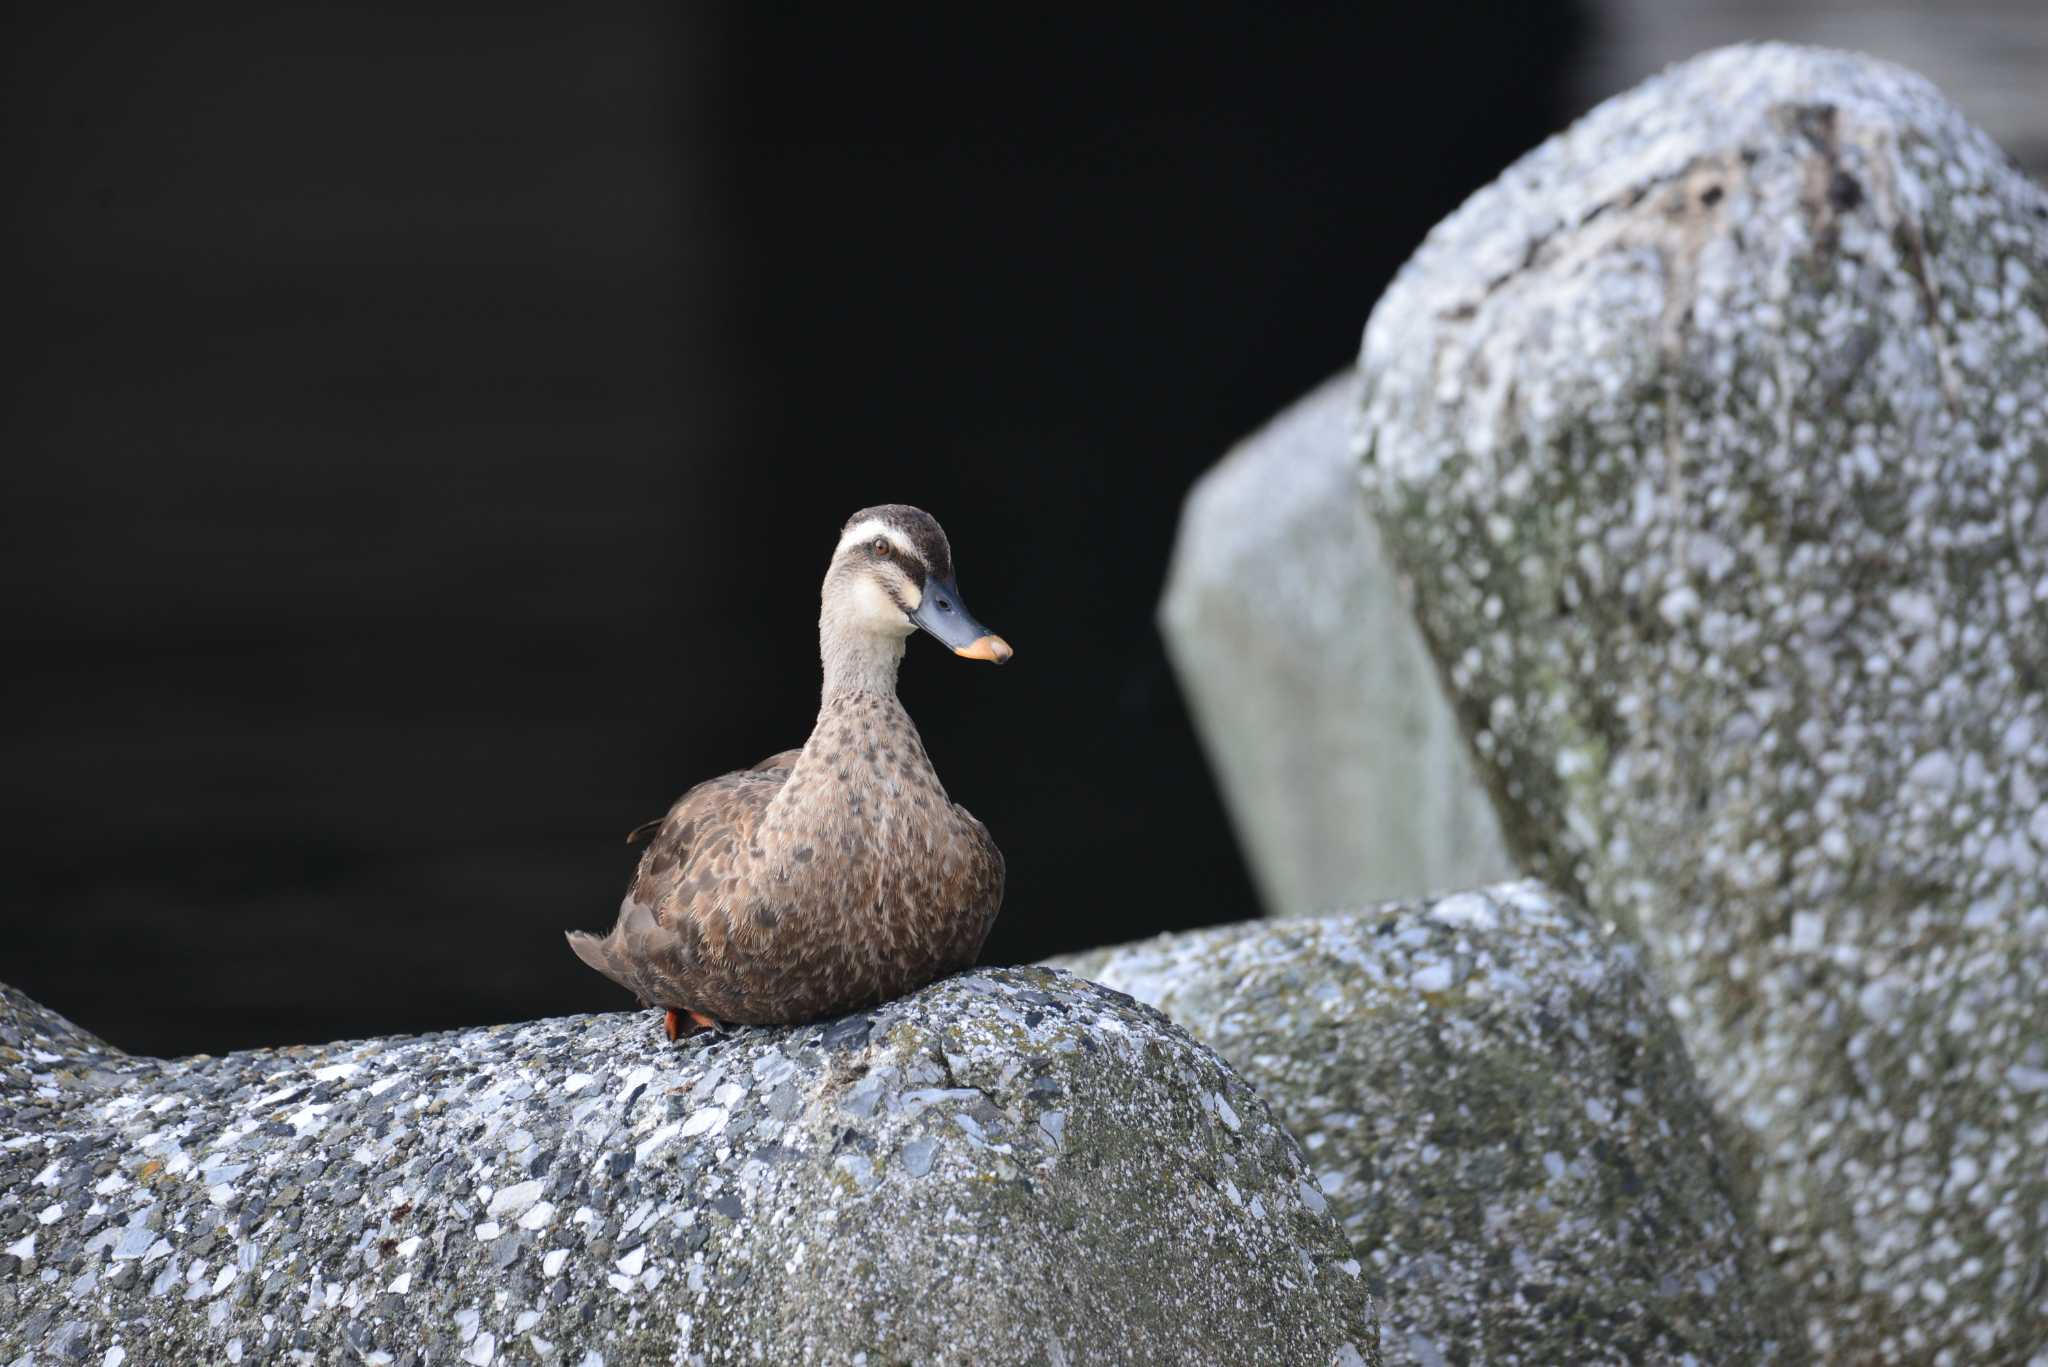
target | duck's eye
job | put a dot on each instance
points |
(881, 545)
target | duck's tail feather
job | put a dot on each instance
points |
(596, 951)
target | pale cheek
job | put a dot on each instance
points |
(878, 611)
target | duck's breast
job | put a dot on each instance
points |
(871, 880)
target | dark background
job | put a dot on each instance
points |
(429, 428)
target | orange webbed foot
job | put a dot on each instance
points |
(676, 1023)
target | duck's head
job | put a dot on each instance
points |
(892, 574)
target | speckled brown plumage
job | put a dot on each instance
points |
(833, 876)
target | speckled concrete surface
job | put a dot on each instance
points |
(1714, 437)
(1010, 1166)
(1498, 1108)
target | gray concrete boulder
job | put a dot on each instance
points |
(1498, 1108)
(1007, 1167)
(1713, 437)
(1316, 701)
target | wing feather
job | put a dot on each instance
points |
(668, 926)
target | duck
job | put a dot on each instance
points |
(837, 875)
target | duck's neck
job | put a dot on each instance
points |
(857, 661)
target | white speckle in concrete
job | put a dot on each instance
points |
(513, 1200)
(1465, 909)
(709, 1120)
(1435, 976)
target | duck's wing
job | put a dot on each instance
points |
(657, 945)
(982, 878)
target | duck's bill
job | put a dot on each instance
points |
(942, 613)
(992, 648)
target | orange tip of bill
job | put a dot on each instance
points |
(991, 648)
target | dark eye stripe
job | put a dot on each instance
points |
(897, 556)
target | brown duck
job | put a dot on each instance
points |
(834, 876)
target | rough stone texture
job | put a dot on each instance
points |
(1316, 701)
(1987, 54)
(1714, 439)
(1500, 1111)
(1006, 1167)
